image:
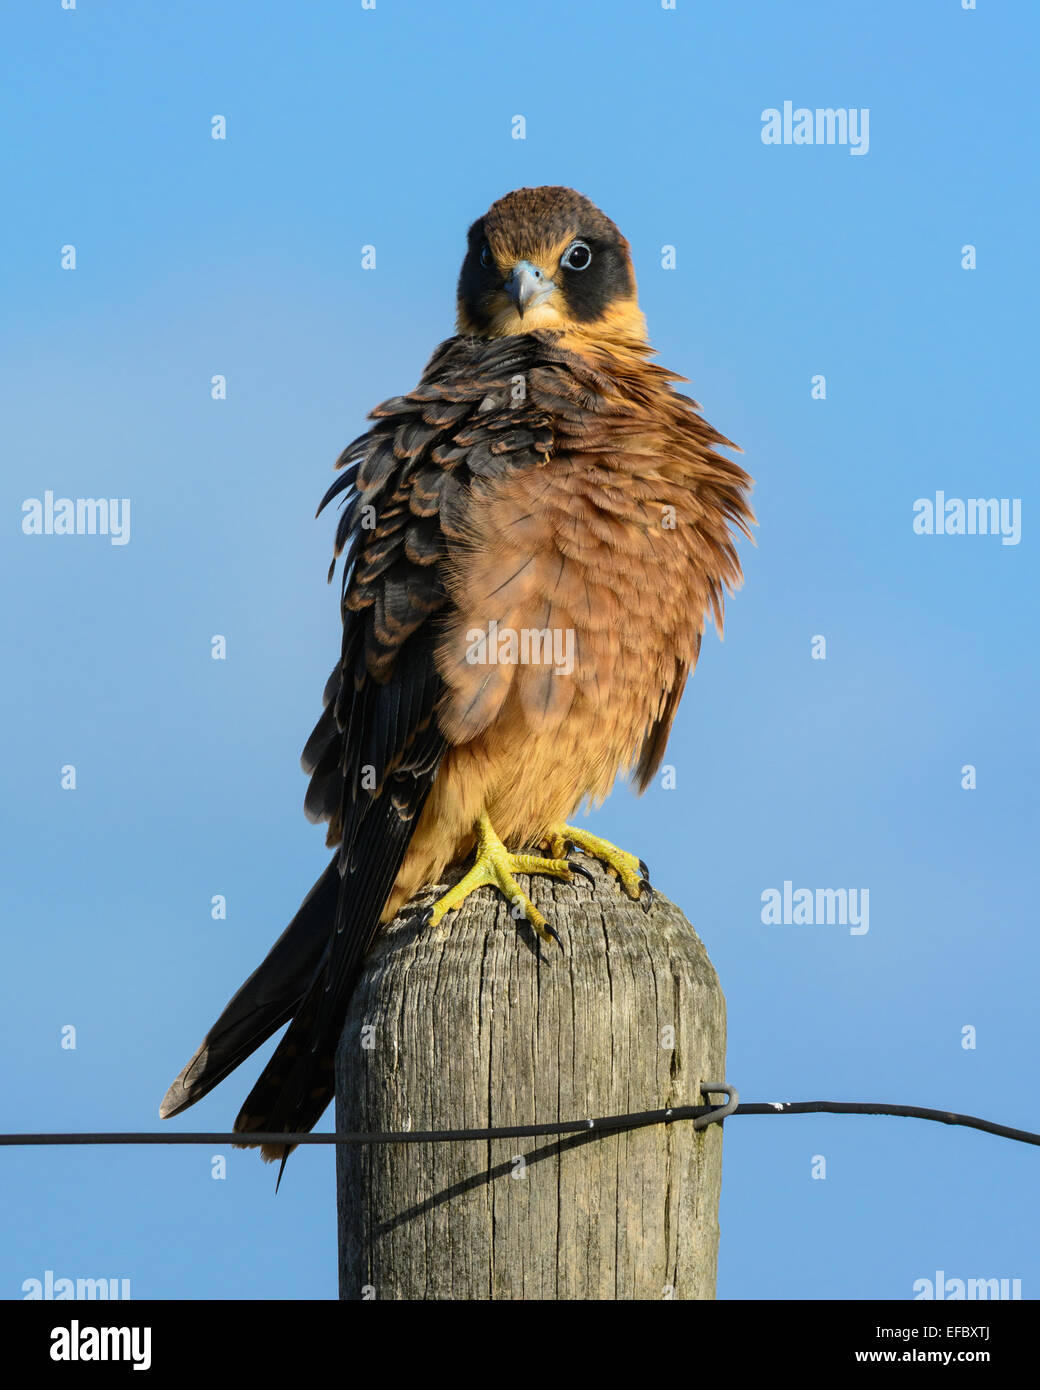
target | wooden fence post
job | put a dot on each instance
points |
(463, 1027)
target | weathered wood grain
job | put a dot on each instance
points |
(465, 1026)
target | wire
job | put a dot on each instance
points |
(702, 1115)
(913, 1112)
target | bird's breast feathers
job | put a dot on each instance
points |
(577, 519)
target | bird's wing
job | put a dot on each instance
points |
(582, 545)
(375, 751)
(372, 758)
(656, 740)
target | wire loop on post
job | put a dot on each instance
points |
(717, 1116)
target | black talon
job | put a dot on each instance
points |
(554, 934)
(644, 870)
(577, 868)
(424, 917)
(644, 887)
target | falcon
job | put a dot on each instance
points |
(531, 542)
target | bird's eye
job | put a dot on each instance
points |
(577, 256)
(486, 258)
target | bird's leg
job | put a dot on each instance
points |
(495, 867)
(632, 872)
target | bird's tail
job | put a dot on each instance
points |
(297, 1084)
(300, 1079)
(271, 995)
(308, 975)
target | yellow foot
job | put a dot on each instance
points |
(632, 872)
(495, 867)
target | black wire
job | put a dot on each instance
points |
(913, 1112)
(639, 1120)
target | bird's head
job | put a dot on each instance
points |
(547, 258)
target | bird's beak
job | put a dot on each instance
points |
(527, 285)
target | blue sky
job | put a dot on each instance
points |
(242, 257)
